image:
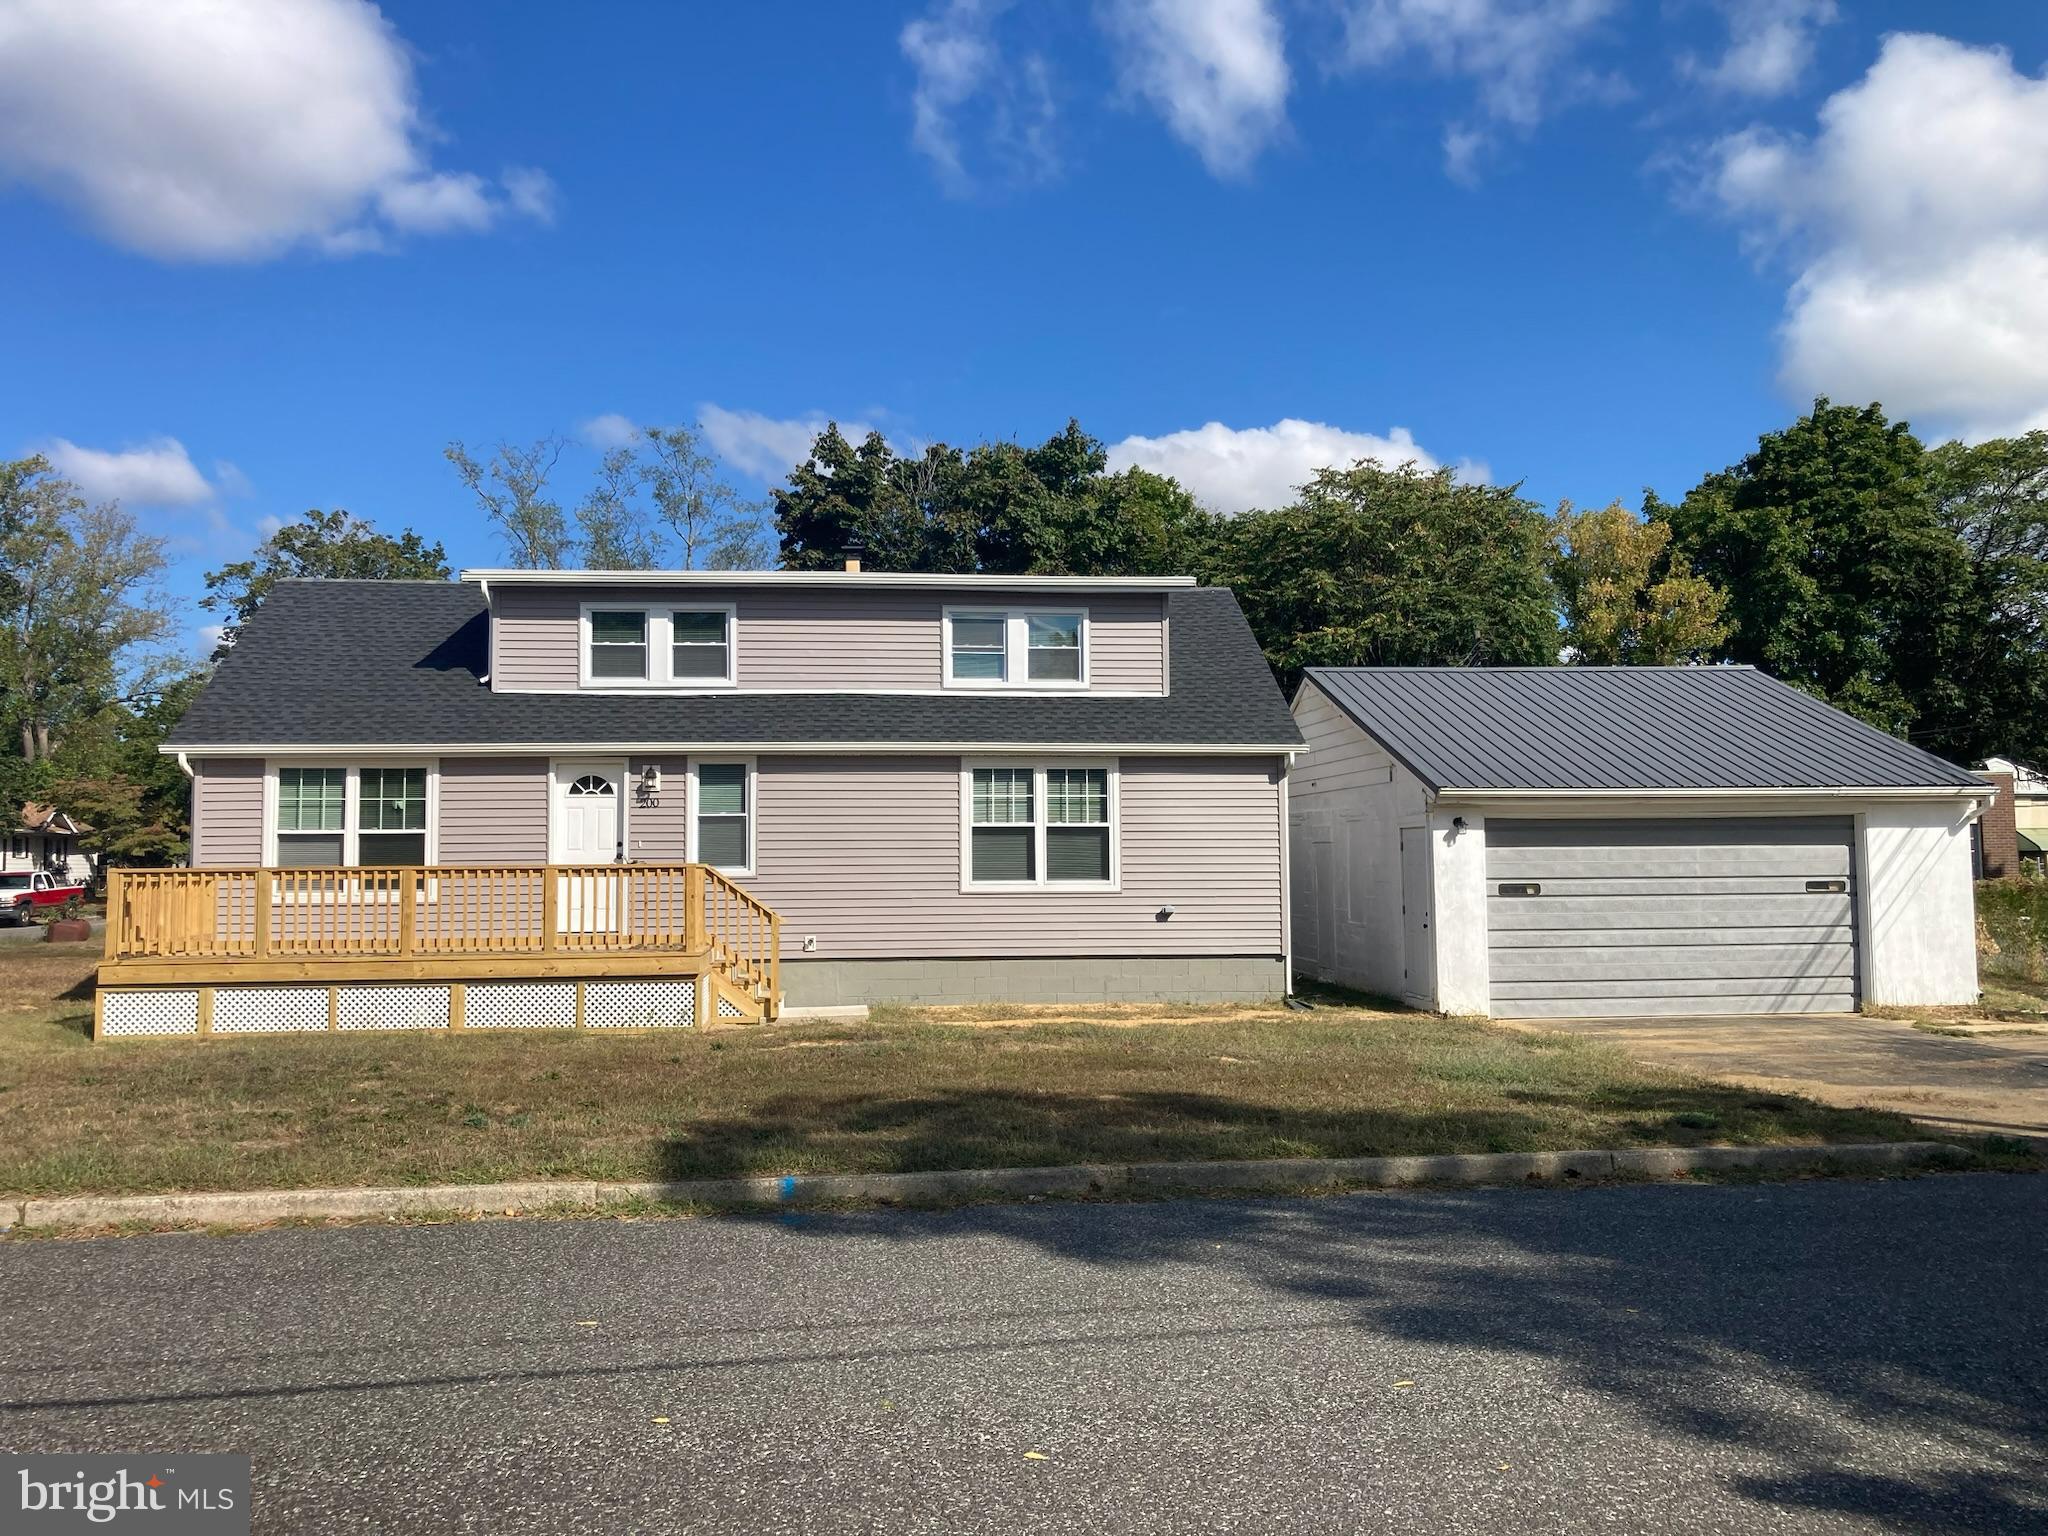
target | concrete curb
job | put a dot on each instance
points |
(1276, 1176)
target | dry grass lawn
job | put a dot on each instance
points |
(911, 1089)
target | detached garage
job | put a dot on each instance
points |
(1580, 842)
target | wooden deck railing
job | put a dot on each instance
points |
(443, 910)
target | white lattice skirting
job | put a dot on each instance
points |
(391, 1007)
(149, 1013)
(521, 1005)
(268, 1010)
(639, 1004)
(665, 1003)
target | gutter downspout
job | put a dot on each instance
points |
(491, 643)
(1286, 883)
(191, 796)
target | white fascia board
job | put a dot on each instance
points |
(700, 746)
(1554, 801)
(511, 578)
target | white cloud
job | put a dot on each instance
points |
(1236, 469)
(233, 130)
(1917, 216)
(1770, 45)
(611, 430)
(959, 66)
(767, 447)
(229, 480)
(1462, 148)
(1521, 55)
(158, 473)
(1214, 70)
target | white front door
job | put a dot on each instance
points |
(588, 796)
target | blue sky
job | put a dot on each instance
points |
(271, 254)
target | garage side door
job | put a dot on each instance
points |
(1694, 915)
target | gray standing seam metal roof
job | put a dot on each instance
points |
(1622, 728)
(332, 663)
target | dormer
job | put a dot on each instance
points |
(703, 632)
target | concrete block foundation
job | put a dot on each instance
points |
(1039, 979)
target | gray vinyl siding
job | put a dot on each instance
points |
(1688, 915)
(658, 819)
(494, 810)
(864, 853)
(227, 811)
(823, 640)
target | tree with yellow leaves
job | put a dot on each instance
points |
(1626, 598)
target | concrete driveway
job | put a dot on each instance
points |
(1982, 1085)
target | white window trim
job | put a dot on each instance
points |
(1017, 653)
(1040, 882)
(660, 621)
(620, 770)
(351, 810)
(753, 810)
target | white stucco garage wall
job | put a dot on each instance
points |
(1918, 913)
(1464, 980)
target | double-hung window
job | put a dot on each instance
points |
(312, 816)
(1005, 826)
(1032, 826)
(1077, 824)
(1016, 648)
(618, 645)
(722, 829)
(702, 645)
(979, 647)
(329, 816)
(658, 647)
(391, 816)
(1053, 647)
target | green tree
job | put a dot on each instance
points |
(327, 545)
(714, 527)
(999, 508)
(83, 614)
(512, 490)
(1840, 575)
(1379, 567)
(611, 521)
(1626, 598)
(1993, 497)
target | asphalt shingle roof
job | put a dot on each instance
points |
(1621, 728)
(331, 663)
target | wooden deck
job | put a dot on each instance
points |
(442, 923)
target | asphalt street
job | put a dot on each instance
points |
(1824, 1356)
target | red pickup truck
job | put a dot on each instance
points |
(23, 894)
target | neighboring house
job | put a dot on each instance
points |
(1577, 841)
(44, 838)
(947, 788)
(2028, 820)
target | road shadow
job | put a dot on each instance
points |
(997, 1128)
(1759, 1321)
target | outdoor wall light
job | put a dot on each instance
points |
(1165, 913)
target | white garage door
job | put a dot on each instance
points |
(1694, 915)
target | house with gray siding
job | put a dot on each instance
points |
(947, 788)
(1596, 841)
